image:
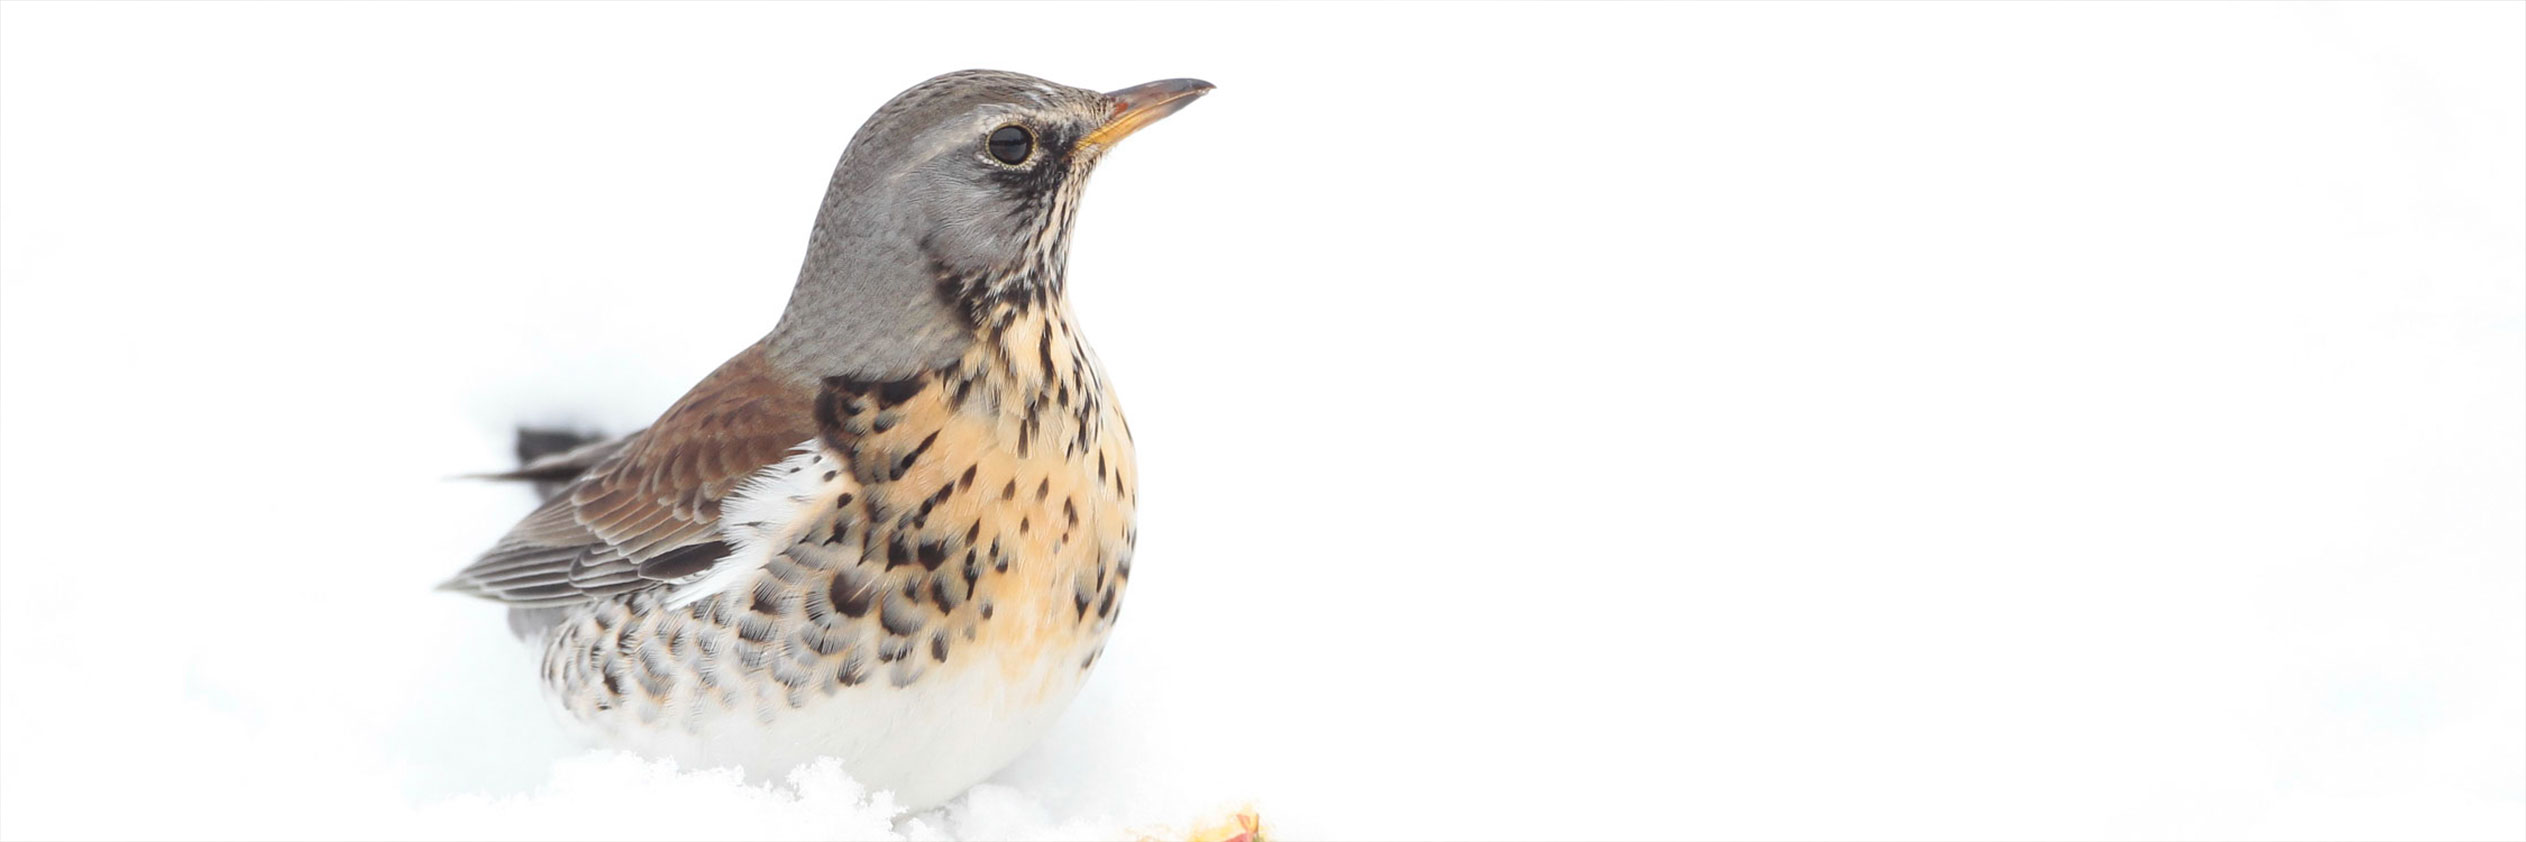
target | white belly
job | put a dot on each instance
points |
(926, 742)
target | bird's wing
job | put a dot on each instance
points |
(648, 513)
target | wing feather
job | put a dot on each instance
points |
(647, 513)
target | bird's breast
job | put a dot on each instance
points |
(994, 505)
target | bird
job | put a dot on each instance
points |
(896, 530)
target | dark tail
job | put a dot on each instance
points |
(552, 458)
(533, 444)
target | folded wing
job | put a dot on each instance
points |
(647, 513)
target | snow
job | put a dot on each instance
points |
(1966, 421)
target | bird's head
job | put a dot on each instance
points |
(987, 166)
(970, 181)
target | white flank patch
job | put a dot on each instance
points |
(763, 514)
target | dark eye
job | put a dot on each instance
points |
(1011, 144)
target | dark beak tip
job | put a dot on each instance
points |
(1163, 90)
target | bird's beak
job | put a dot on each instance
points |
(1139, 105)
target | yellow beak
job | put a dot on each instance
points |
(1139, 105)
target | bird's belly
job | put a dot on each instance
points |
(925, 742)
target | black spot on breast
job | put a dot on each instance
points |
(915, 455)
(843, 398)
(899, 391)
(848, 595)
(938, 647)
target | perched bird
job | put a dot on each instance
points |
(896, 529)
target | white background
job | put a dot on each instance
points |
(1796, 420)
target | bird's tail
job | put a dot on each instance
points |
(551, 458)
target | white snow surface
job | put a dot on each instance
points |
(1755, 421)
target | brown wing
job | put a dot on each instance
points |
(649, 513)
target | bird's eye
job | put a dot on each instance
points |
(1011, 145)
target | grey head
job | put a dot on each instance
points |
(957, 193)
